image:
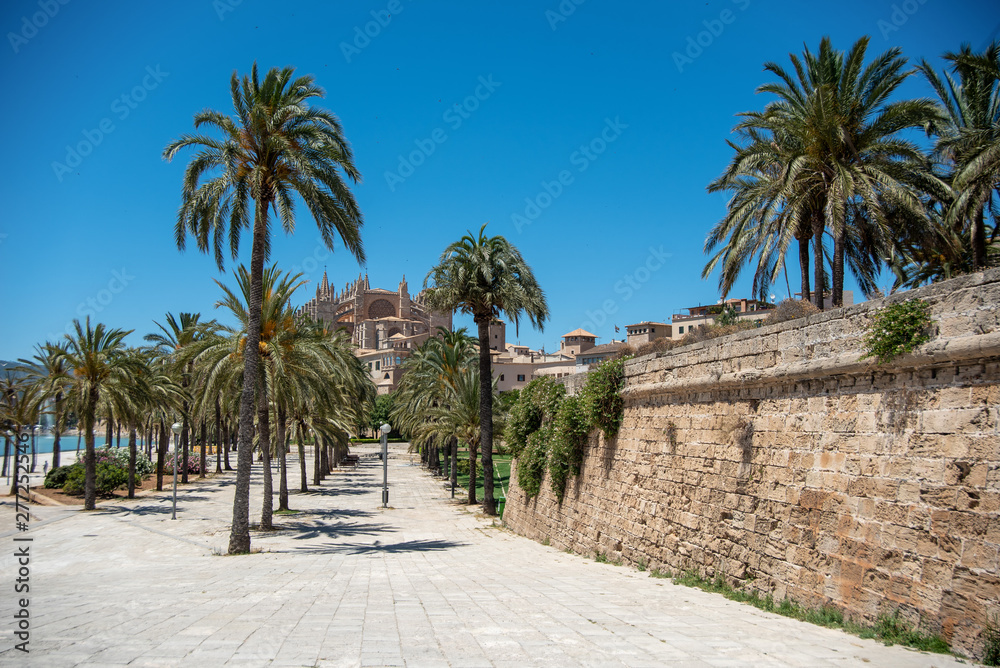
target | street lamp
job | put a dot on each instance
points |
(176, 428)
(385, 429)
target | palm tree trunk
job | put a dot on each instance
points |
(472, 475)
(110, 434)
(6, 454)
(264, 426)
(283, 471)
(303, 477)
(239, 535)
(218, 437)
(838, 268)
(804, 267)
(203, 464)
(227, 437)
(485, 418)
(185, 430)
(89, 490)
(34, 449)
(57, 427)
(317, 460)
(131, 460)
(453, 448)
(161, 454)
(977, 235)
(820, 274)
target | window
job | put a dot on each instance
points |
(520, 377)
(378, 365)
(501, 376)
(680, 330)
(387, 376)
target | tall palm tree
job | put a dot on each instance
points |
(488, 278)
(276, 146)
(967, 134)
(47, 368)
(100, 369)
(842, 159)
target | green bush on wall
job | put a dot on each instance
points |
(898, 329)
(547, 427)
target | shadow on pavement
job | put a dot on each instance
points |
(376, 547)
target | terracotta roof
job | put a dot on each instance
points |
(580, 332)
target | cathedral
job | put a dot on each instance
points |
(384, 325)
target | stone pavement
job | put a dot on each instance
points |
(426, 582)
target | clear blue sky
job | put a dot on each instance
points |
(535, 83)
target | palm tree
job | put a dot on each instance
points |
(101, 369)
(841, 160)
(487, 278)
(274, 147)
(47, 369)
(967, 134)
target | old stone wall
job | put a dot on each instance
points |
(780, 459)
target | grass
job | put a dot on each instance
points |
(501, 478)
(287, 512)
(888, 629)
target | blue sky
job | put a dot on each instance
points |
(585, 131)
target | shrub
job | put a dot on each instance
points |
(602, 398)
(107, 478)
(898, 329)
(790, 309)
(194, 463)
(531, 463)
(569, 437)
(56, 478)
(536, 404)
(120, 456)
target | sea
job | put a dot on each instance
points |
(67, 443)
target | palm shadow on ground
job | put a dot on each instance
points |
(377, 547)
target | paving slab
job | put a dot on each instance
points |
(343, 582)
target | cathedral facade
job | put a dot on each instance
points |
(384, 325)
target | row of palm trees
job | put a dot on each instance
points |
(312, 386)
(829, 163)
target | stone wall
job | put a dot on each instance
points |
(781, 460)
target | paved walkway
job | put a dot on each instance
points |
(346, 583)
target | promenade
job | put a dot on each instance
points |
(427, 582)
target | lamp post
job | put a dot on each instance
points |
(385, 429)
(176, 428)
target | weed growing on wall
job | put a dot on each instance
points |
(546, 427)
(602, 396)
(898, 329)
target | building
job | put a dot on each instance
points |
(575, 342)
(701, 316)
(384, 325)
(644, 332)
(597, 354)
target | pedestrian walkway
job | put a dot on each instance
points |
(426, 582)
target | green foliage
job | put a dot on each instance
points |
(602, 398)
(379, 414)
(991, 641)
(728, 316)
(537, 403)
(893, 630)
(107, 478)
(56, 478)
(889, 629)
(531, 462)
(569, 437)
(120, 457)
(898, 329)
